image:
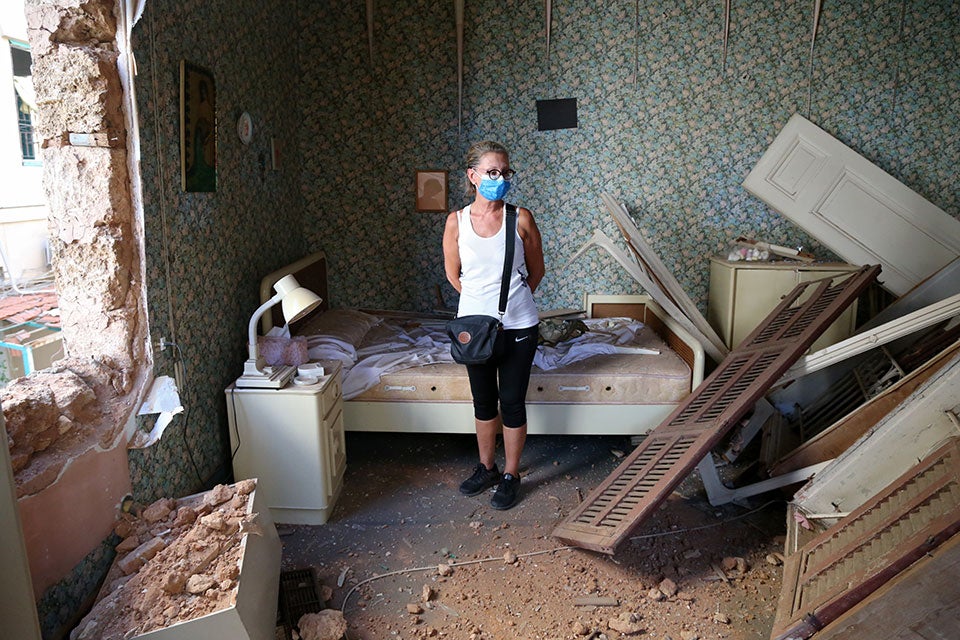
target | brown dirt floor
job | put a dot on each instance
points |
(400, 516)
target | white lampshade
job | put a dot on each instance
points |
(297, 301)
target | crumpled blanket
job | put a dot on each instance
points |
(394, 344)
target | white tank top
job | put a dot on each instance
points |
(481, 270)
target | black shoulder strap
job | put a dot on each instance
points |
(508, 256)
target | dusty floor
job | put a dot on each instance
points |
(400, 516)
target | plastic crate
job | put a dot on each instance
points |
(298, 595)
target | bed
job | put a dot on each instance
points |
(625, 389)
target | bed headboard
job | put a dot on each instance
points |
(310, 272)
(644, 308)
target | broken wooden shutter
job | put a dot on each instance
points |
(855, 557)
(672, 450)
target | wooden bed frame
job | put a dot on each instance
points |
(542, 418)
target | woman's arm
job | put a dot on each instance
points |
(451, 252)
(532, 248)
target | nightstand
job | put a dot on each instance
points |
(743, 293)
(292, 440)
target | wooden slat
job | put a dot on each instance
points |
(842, 434)
(920, 603)
(671, 451)
(854, 558)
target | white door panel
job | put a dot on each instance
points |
(859, 211)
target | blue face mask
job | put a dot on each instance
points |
(494, 189)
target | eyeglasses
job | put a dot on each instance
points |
(494, 174)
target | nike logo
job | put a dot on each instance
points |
(521, 339)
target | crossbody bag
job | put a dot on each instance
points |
(475, 339)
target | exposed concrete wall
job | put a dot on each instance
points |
(97, 256)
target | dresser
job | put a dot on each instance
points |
(292, 441)
(743, 293)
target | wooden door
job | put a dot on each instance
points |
(855, 208)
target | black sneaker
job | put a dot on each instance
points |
(507, 492)
(481, 480)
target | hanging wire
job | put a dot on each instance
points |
(726, 32)
(548, 19)
(813, 40)
(896, 74)
(636, 43)
(370, 28)
(458, 13)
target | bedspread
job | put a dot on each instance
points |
(369, 346)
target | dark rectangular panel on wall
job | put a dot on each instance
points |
(843, 565)
(557, 114)
(671, 451)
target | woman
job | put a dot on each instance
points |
(473, 254)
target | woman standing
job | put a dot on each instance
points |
(473, 250)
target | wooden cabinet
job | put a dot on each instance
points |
(744, 293)
(292, 440)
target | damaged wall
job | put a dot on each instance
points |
(93, 230)
(65, 425)
(204, 256)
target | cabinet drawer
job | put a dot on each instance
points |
(330, 397)
(336, 451)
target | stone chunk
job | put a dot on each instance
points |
(128, 544)
(328, 624)
(627, 623)
(139, 556)
(197, 584)
(668, 587)
(218, 495)
(158, 511)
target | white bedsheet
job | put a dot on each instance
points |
(396, 344)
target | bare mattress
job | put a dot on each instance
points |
(391, 357)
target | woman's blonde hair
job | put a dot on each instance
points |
(474, 154)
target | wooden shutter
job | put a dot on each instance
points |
(672, 450)
(851, 560)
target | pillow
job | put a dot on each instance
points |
(346, 325)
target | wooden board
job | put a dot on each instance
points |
(647, 476)
(862, 213)
(855, 557)
(663, 283)
(906, 434)
(841, 435)
(921, 603)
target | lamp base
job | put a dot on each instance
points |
(271, 378)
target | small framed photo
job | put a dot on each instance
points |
(198, 129)
(432, 191)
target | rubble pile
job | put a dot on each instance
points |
(177, 560)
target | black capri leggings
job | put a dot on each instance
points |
(512, 369)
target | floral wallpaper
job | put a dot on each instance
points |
(664, 125)
(206, 252)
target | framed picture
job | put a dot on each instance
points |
(198, 129)
(432, 191)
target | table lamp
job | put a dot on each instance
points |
(296, 302)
